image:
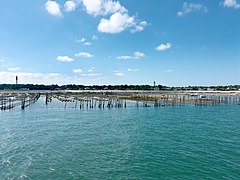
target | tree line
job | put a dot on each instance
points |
(113, 87)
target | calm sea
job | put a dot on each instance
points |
(186, 142)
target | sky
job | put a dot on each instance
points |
(96, 42)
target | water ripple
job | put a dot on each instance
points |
(134, 143)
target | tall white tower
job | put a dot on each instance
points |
(16, 80)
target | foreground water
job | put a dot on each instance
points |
(186, 142)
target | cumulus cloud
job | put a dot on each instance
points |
(231, 3)
(163, 47)
(70, 6)
(77, 70)
(110, 7)
(103, 7)
(84, 54)
(132, 70)
(65, 59)
(188, 8)
(136, 55)
(93, 7)
(53, 8)
(117, 23)
(119, 19)
(139, 27)
(119, 74)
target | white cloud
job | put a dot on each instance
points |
(53, 8)
(180, 13)
(31, 78)
(110, 7)
(91, 70)
(84, 41)
(139, 27)
(119, 19)
(169, 71)
(91, 75)
(163, 47)
(143, 23)
(125, 57)
(132, 70)
(117, 23)
(3, 64)
(77, 70)
(84, 54)
(14, 69)
(119, 74)
(65, 59)
(191, 7)
(103, 7)
(94, 37)
(70, 6)
(231, 3)
(87, 44)
(93, 7)
(136, 55)
(48, 78)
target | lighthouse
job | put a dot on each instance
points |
(16, 82)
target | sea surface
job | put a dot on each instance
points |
(180, 142)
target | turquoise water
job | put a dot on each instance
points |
(186, 142)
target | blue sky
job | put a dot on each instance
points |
(175, 43)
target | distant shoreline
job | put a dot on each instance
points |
(121, 92)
